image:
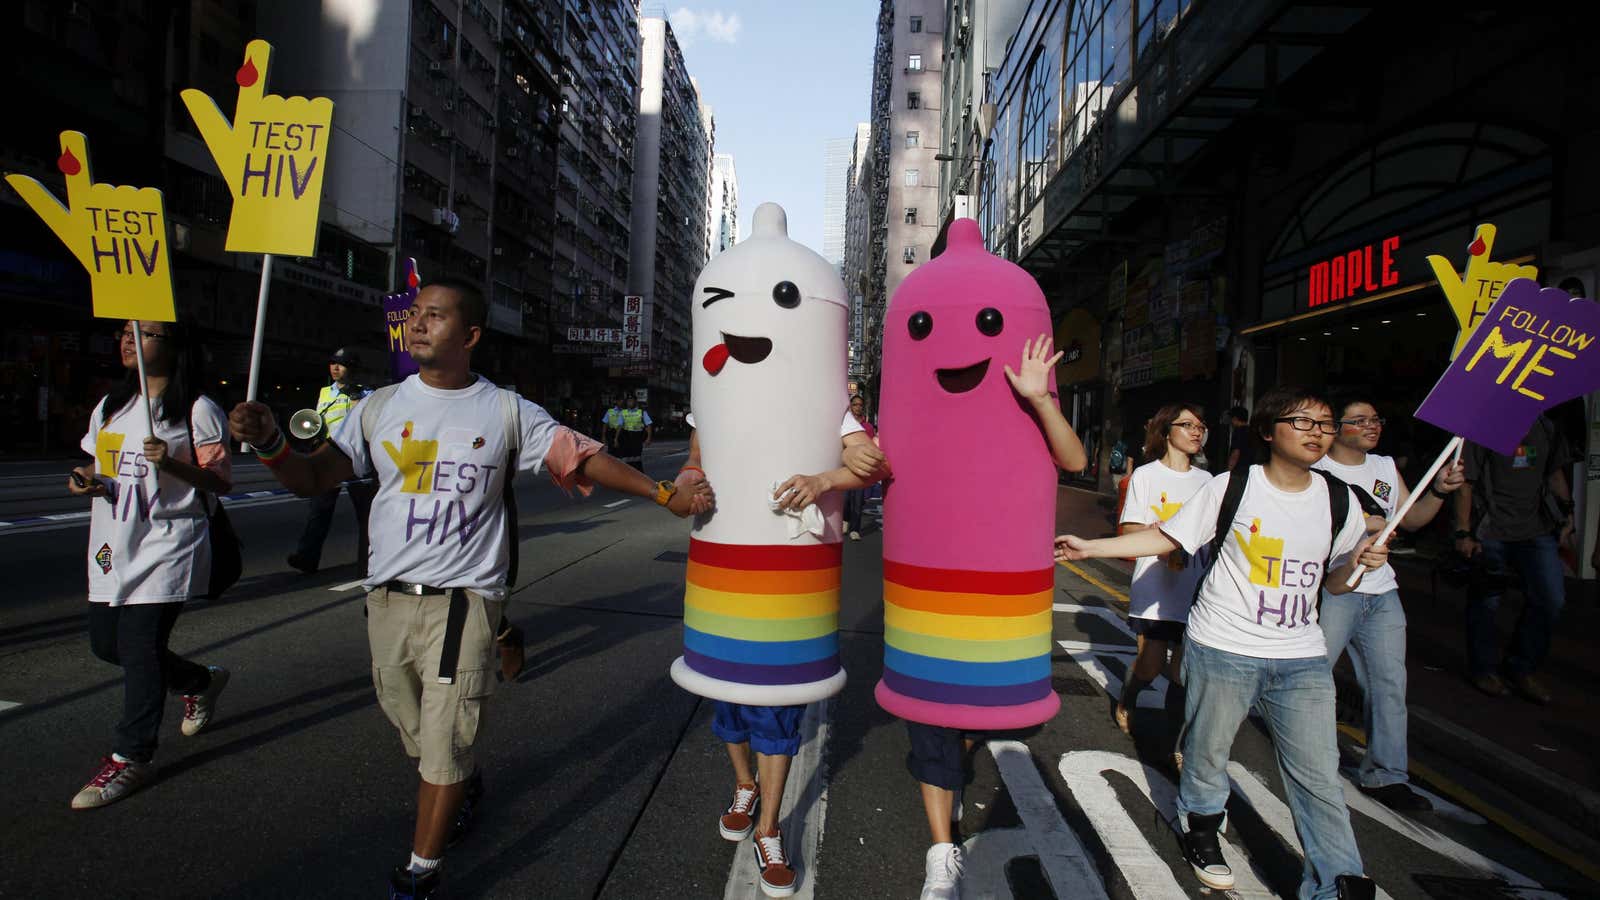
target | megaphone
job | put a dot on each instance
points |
(305, 424)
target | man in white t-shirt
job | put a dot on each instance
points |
(441, 551)
(1253, 639)
(1371, 621)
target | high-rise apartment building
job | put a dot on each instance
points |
(905, 137)
(672, 166)
(835, 171)
(723, 222)
(857, 243)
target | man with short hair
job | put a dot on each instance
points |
(1523, 507)
(334, 402)
(441, 445)
(1370, 621)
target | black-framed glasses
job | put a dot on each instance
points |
(1191, 427)
(126, 335)
(1367, 421)
(1306, 423)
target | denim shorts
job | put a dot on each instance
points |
(771, 730)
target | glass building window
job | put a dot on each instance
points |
(909, 256)
(913, 178)
(913, 138)
(916, 24)
(914, 62)
(913, 99)
(911, 215)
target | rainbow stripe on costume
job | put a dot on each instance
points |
(761, 623)
(967, 649)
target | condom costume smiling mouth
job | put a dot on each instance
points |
(959, 381)
(748, 350)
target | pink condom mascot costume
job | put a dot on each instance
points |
(967, 564)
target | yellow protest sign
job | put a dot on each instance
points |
(273, 157)
(117, 232)
(1471, 295)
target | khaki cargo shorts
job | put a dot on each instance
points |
(438, 723)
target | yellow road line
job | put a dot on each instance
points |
(1493, 813)
(1116, 595)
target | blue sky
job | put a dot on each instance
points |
(782, 78)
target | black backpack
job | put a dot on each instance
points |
(1338, 506)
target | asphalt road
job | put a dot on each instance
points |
(604, 778)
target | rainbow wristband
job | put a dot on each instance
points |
(274, 453)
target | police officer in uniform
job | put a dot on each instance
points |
(633, 431)
(334, 402)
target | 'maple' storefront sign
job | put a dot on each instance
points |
(1354, 273)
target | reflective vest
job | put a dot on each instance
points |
(613, 417)
(333, 405)
(631, 419)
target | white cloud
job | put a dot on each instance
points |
(715, 25)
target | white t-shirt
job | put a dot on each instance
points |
(1379, 477)
(1155, 494)
(440, 458)
(849, 426)
(1260, 598)
(148, 543)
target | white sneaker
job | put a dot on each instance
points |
(113, 781)
(198, 709)
(942, 880)
(855, 535)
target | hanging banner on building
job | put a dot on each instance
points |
(1473, 293)
(396, 309)
(273, 157)
(117, 232)
(1532, 350)
(635, 327)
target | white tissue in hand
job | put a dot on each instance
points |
(800, 521)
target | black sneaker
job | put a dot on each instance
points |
(305, 566)
(1399, 797)
(1204, 852)
(1355, 887)
(469, 808)
(405, 884)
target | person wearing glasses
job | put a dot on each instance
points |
(1253, 639)
(149, 543)
(1370, 622)
(1162, 589)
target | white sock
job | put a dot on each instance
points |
(419, 865)
(120, 758)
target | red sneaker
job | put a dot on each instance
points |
(737, 823)
(777, 876)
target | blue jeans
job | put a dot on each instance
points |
(1544, 585)
(1373, 626)
(1295, 697)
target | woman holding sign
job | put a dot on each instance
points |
(149, 546)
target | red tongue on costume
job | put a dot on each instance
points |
(715, 358)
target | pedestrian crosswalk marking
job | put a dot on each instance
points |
(8, 704)
(1061, 853)
(617, 504)
(341, 588)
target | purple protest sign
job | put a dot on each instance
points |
(396, 308)
(1534, 349)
